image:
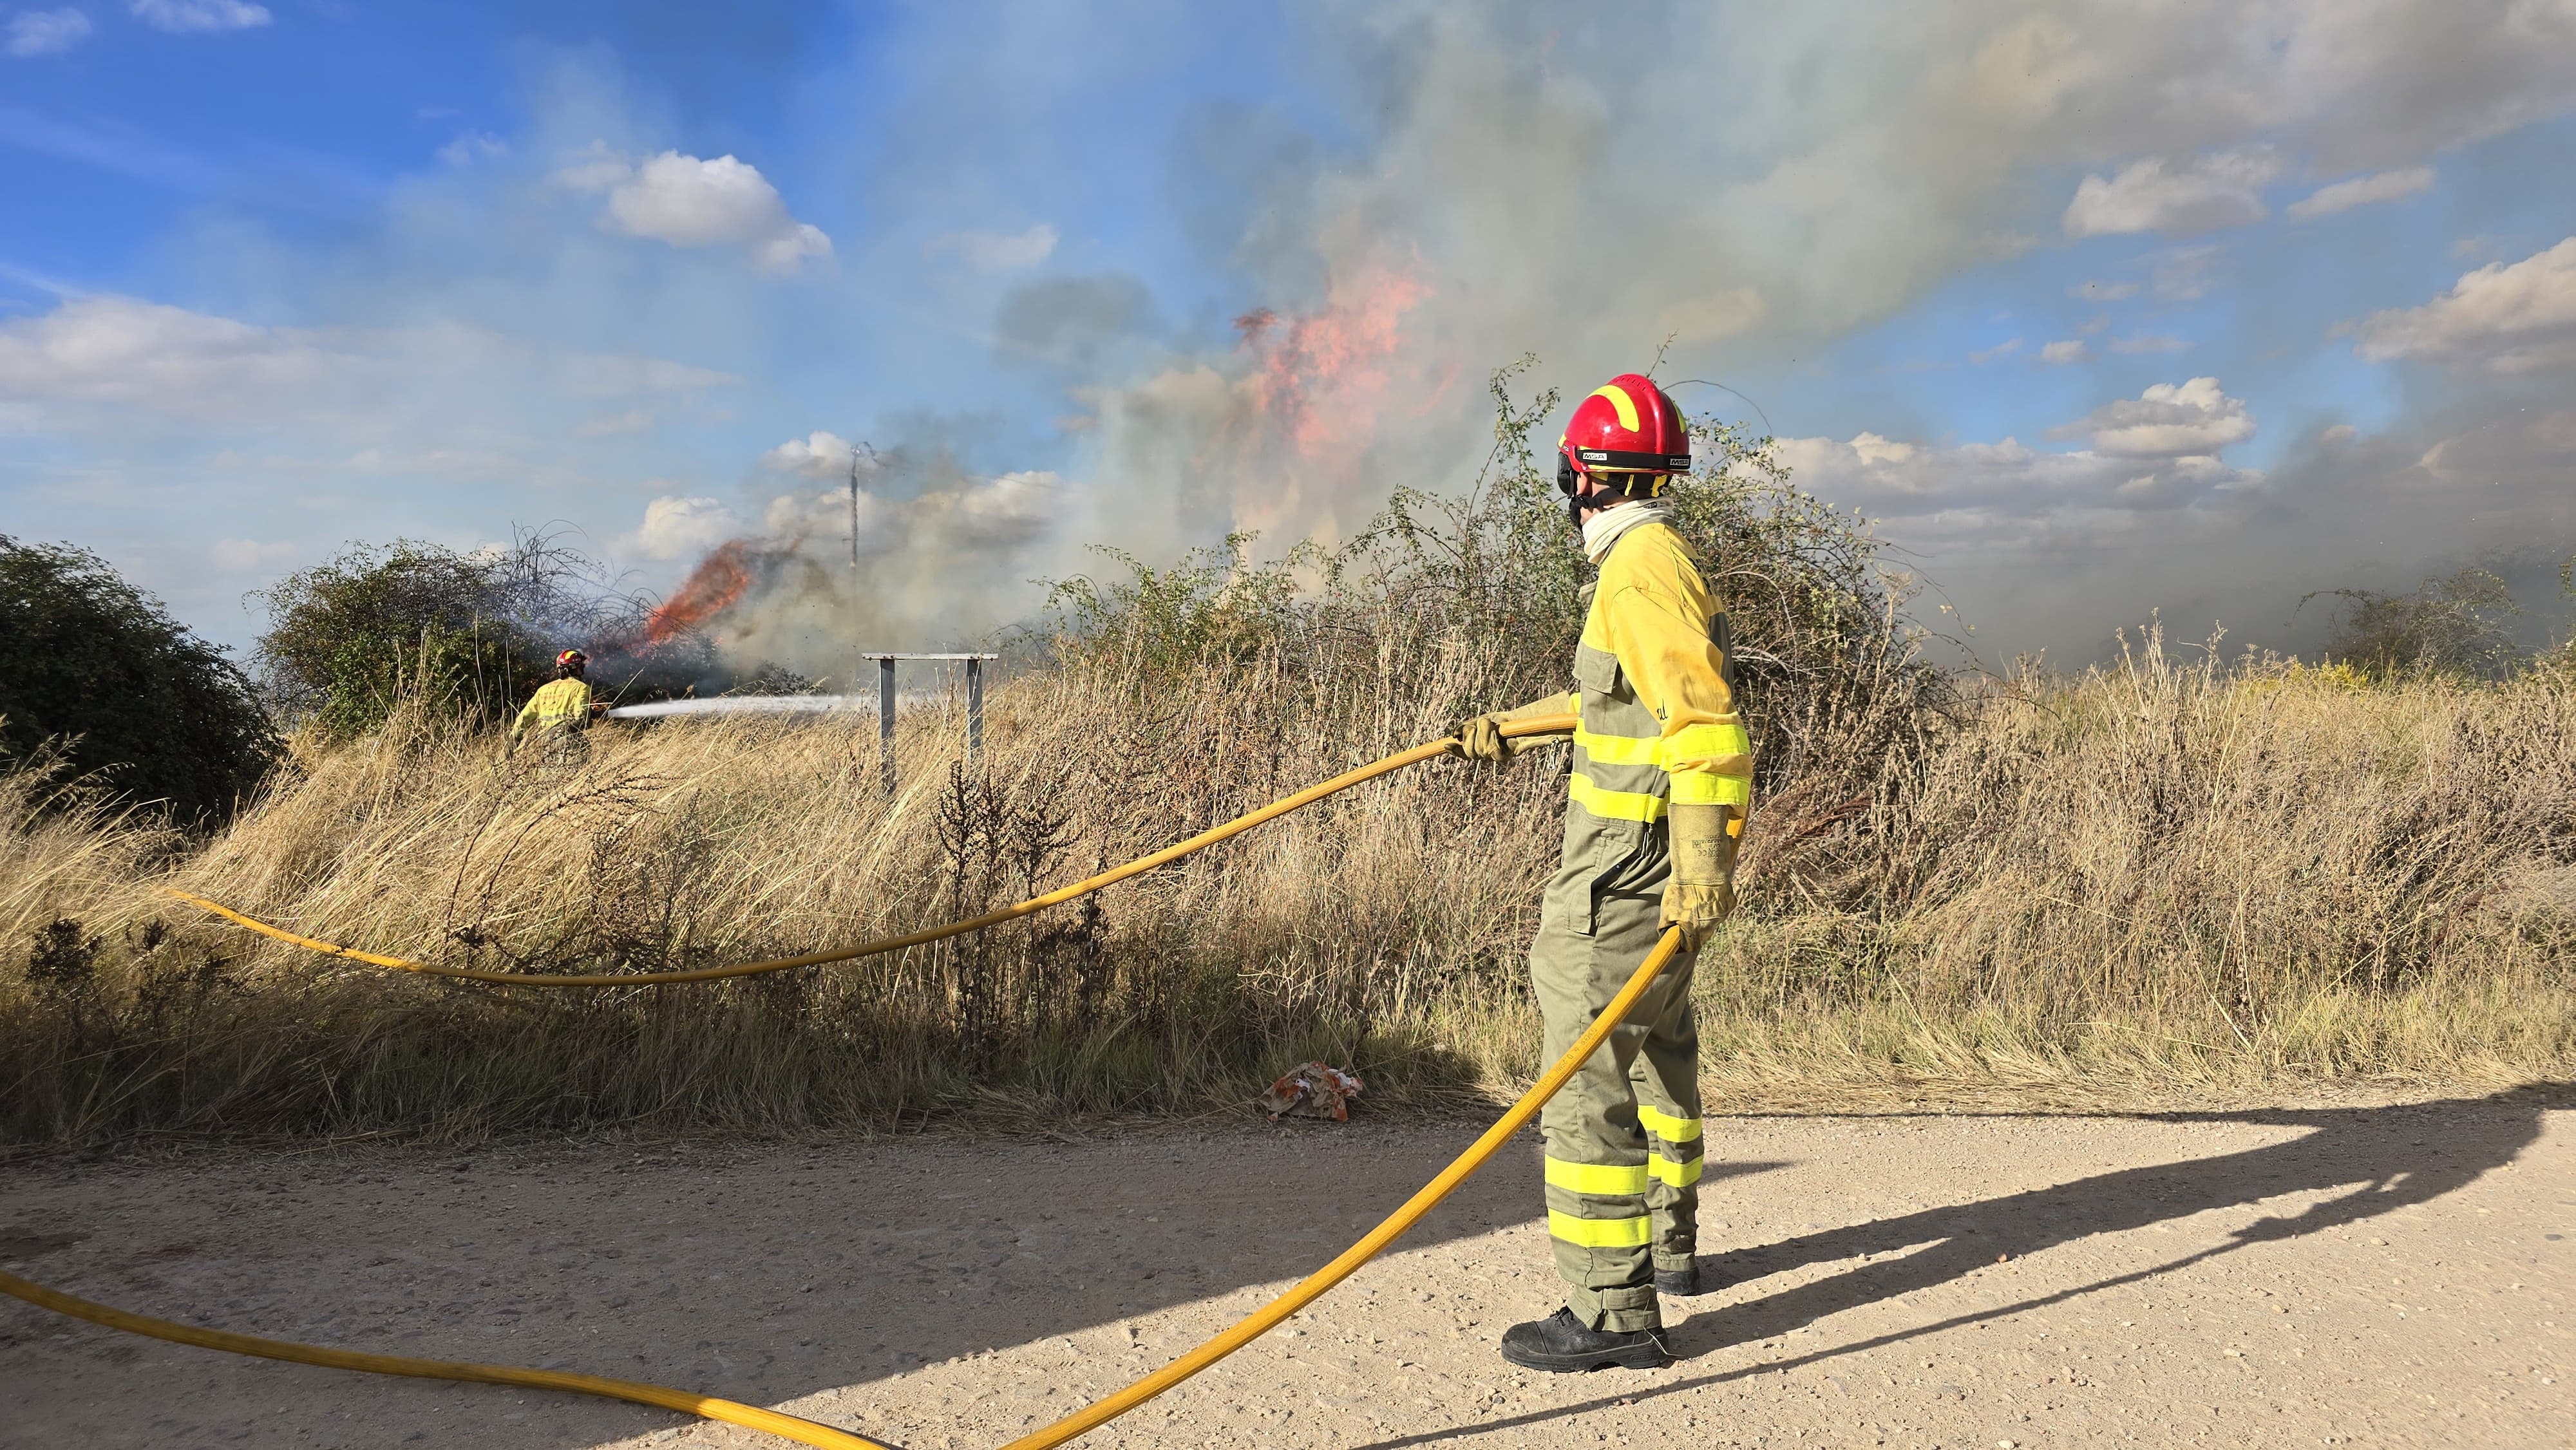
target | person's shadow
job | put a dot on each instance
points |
(2382, 1159)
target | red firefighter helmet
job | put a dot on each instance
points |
(1627, 426)
(572, 657)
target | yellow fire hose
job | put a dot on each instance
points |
(807, 1432)
(1429, 750)
(803, 1431)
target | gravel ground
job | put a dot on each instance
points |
(2344, 1275)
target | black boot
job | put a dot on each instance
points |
(1560, 1343)
(1681, 1283)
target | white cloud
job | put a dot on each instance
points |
(123, 350)
(961, 517)
(44, 32)
(2219, 189)
(2361, 191)
(122, 357)
(1989, 493)
(181, 17)
(2505, 319)
(2148, 342)
(473, 146)
(1871, 448)
(2005, 348)
(2105, 291)
(2069, 351)
(820, 454)
(998, 251)
(689, 201)
(2169, 420)
(677, 527)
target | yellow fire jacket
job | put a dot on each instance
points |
(1656, 700)
(1654, 613)
(557, 705)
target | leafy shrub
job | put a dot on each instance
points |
(146, 708)
(2455, 626)
(1841, 702)
(472, 633)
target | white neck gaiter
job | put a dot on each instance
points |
(1604, 528)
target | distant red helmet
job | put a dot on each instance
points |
(1627, 425)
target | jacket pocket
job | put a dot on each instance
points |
(1621, 858)
(1634, 860)
(1597, 671)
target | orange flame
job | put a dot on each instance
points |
(1324, 384)
(1326, 379)
(716, 585)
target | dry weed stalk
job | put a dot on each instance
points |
(2149, 879)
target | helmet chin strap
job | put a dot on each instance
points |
(1578, 502)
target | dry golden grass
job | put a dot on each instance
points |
(2143, 884)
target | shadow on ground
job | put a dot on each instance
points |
(2381, 1159)
(779, 1273)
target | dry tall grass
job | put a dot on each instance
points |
(2155, 879)
(2144, 881)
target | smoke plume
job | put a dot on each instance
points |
(1741, 187)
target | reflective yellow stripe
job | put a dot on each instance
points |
(1667, 1127)
(1679, 1175)
(1724, 748)
(1618, 749)
(1724, 735)
(1601, 1233)
(1613, 805)
(1701, 788)
(1606, 1179)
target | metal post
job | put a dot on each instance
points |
(885, 718)
(974, 709)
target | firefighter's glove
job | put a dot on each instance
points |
(1482, 738)
(1702, 891)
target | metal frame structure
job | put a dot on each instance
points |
(885, 702)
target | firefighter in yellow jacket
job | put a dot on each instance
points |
(1662, 777)
(561, 707)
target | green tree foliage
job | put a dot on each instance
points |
(142, 707)
(1214, 606)
(2455, 626)
(471, 633)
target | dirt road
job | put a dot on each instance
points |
(2391, 1275)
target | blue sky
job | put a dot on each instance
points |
(2103, 309)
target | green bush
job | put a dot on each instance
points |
(142, 707)
(469, 633)
(2459, 626)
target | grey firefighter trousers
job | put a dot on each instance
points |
(1623, 1138)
